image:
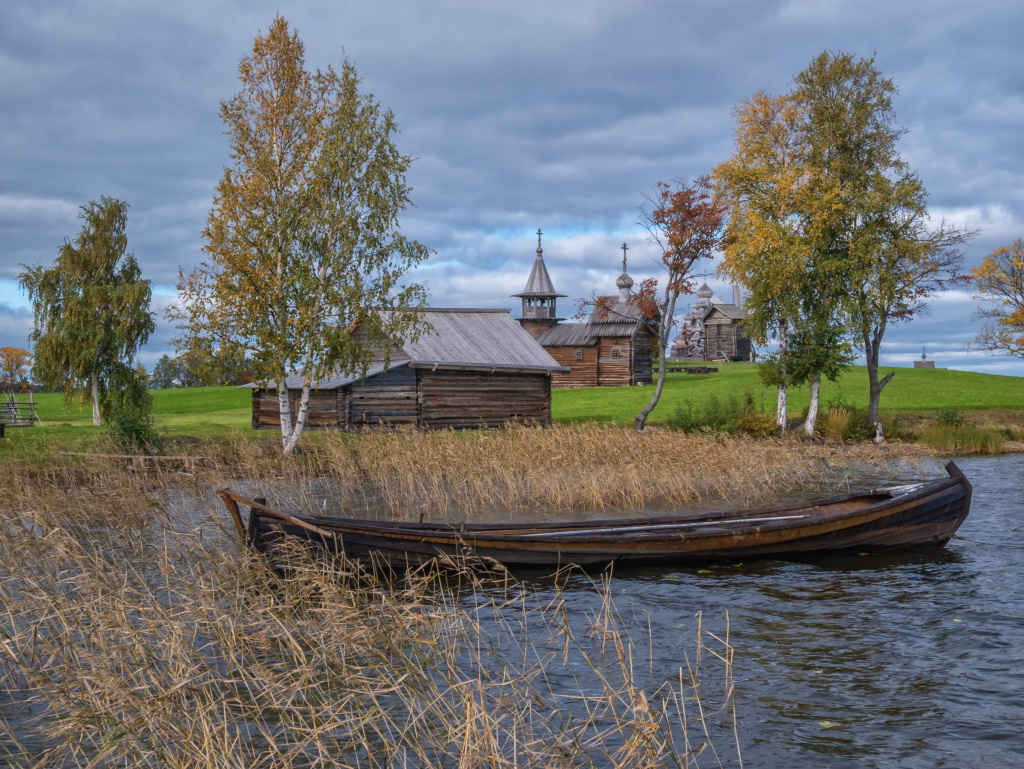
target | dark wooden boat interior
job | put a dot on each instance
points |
(920, 515)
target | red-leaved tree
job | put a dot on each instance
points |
(684, 220)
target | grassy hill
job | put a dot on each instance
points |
(224, 411)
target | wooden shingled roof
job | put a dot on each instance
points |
(476, 339)
(568, 335)
(464, 339)
(732, 311)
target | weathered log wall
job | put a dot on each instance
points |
(385, 399)
(643, 362)
(615, 371)
(725, 339)
(584, 370)
(418, 397)
(323, 411)
(463, 399)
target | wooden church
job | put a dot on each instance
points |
(713, 330)
(612, 348)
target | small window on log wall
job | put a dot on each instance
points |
(615, 353)
(579, 355)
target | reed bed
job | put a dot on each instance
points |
(140, 635)
(543, 473)
(964, 437)
(134, 631)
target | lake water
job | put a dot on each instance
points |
(910, 660)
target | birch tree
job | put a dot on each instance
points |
(91, 308)
(830, 228)
(685, 224)
(999, 280)
(871, 222)
(305, 261)
(764, 183)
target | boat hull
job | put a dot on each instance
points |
(921, 516)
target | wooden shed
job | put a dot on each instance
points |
(472, 368)
(713, 330)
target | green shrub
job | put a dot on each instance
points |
(952, 417)
(758, 424)
(683, 417)
(715, 414)
(129, 408)
(858, 428)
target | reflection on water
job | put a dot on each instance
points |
(912, 660)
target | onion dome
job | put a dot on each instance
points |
(624, 282)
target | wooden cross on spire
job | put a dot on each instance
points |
(538, 239)
(624, 248)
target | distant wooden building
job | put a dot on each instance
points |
(539, 298)
(612, 348)
(472, 368)
(713, 330)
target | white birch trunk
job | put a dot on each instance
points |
(284, 408)
(782, 408)
(664, 326)
(291, 444)
(95, 399)
(812, 412)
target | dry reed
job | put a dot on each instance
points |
(135, 632)
(837, 420)
(523, 471)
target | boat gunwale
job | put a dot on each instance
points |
(584, 533)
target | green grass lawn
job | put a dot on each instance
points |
(225, 412)
(196, 411)
(911, 390)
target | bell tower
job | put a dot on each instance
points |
(539, 297)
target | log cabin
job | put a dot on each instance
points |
(613, 348)
(468, 369)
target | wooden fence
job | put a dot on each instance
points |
(15, 413)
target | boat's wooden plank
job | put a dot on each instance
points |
(925, 515)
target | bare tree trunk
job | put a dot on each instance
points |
(641, 418)
(664, 326)
(95, 399)
(284, 409)
(782, 408)
(872, 345)
(291, 445)
(812, 412)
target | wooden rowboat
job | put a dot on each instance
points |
(920, 515)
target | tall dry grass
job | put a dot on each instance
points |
(964, 437)
(522, 471)
(135, 632)
(835, 424)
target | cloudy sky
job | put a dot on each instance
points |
(521, 114)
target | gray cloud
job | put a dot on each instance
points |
(521, 114)
(15, 325)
